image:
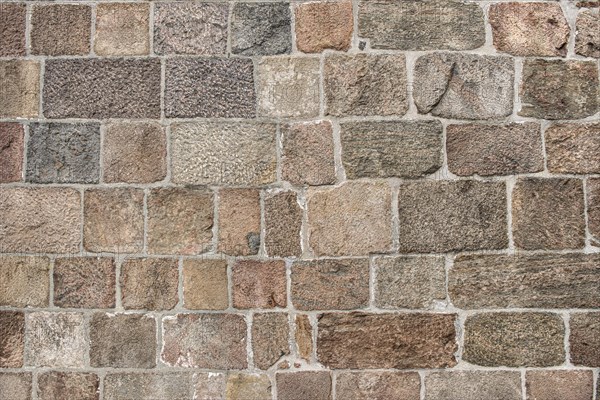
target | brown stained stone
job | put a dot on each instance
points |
(12, 29)
(324, 25)
(484, 149)
(55, 385)
(593, 208)
(378, 386)
(241, 386)
(11, 151)
(522, 281)
(303, 336)
(553, 385)
(573, 148)
(84, 282)
(205, 284)
(149, 386)
(15, 386)
(12, 339)
(473, 385)
(330, 284)
(122, 29)
(514, 339)
(314, 385)
(239, 221)
(360, 340)
(24, 281)
(61, 29)
(548, 214)
(584, 340)
(283, 221)
(214, 341)
(259, 284)
(149, 283)
(587, 39)
(209, 385)
(19, 88)
(270, 336)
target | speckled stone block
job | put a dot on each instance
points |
(12, 339)
(61, 29)
(122, 29)
(19, 88)
(323, 25)
(12, 29)
(84, 282)
(11, 151)
(73, 385)
(24, 281)
(149, 283)
(259, 284)
(205, 284)
(259, 29)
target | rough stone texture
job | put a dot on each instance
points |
(323, 25)
(443, 216)
(283, 221)
(259, 29)
(593, 208)
(514, 339)
(551, 385)
(55, 339)
(190, 28)
(406, 149)
(314, 385)
(211, 385)
(11, 151)
(573, 148)
(548, 214)
(360, 340)
(288, 87)
(473, 385)
(409, 282)
(122, 340)
(226, 153)
(15, 386)
(102, 88)
(149, 283)
(529, 29)
(210, 88)
(215, 341)
(557, 89)
(19, 88)
(330, 284)
(303, 336)
(307, 153)
(520, 281)
(259, 284)
(122, 29)
(68, 385)
(148, 385)
(270, 335)
(464, 86)
(134, 153)
(12, 339)
(416, 25)
(361, 84)
(587, 40)
(180, 220)
(84, 282)
(248, 387)
(205, 284)
(24, 281)
(584, 341)
(40, 220)
(113, 220)
(486, 149)
(378, 386)
(61, 29)
(352, 219)
(239, 221)
(12, 29)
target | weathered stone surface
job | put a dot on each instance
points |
(149, 283)
(323, 25)
(473, 385)
(307, 153)
(61, 29)
(360, 340)
(134, 153)
(24, 281)
(84, 282)
(584, 341)
(288, 87)
(180, 220)
(442, 216)
(11, 151)
(538, 281)
(270, 336)
(260, 29)
(148, 385)
(122, 340)
(548, 214)
(239, 221)
(259, 284)
(190, 28)
(514, 339)
(113, 220)
(210, 88)
(12, 29)
(229, 153)
(55, 340)
(283, 221)
(483, 149)
(416, 25)
(587, 40)
(573, 148)
(122, 29)
(557, 89)
(12, 339)
(550, 385)
(365, 84)
(209, 386)
(330, 284)
(15, 386)
(205, 284)
(352, 219)
(464, 86)
(216, 341)
(248, 387)
(593, 208)
(407, 149)
(314, 385)
(68, 385)
(19, 88)
(378, 386)
(303, 336)
(40, 220)
(102, 88)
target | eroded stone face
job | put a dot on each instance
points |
(573, 148)
(12, 29)
(205, 284)
(584, 340)
(239, 221)
(148, 385)
(587, 40)
(259, 284)
(547, 385)
(304, 336)
(248, 387)
(270, 336)
(24, 281)
(19, 88)
(122, 29)
(211, 385)
(149, 283)
(61, 29)
(283, 221)
(16, 386)
(304, 385)
(84, 282)
(74, 385)
(261, 29)
(473, 385)
(11, 152)
(323, 25)
(12, 339)
(378, 385)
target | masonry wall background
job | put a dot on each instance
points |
(376, 199)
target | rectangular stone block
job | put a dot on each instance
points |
(11, 151)
(19, 88)
(239, 221)
(260, 29)
(12, 29)
(270, 338)
(16, 385)
(549, 385)
(149, 283)
(72, 385)
(122, 29)
(12, 339)
(205, 284)
(84, 282)
(259, 284)
(383, 385)
(323, 25)
(148, 385)
(210, 385)
(573, 148)
(587, 40)
(283, 222)
(473, 385)
(24, 281)
(61, 29)
(314, 385)
(584, 339)
(243, 386)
